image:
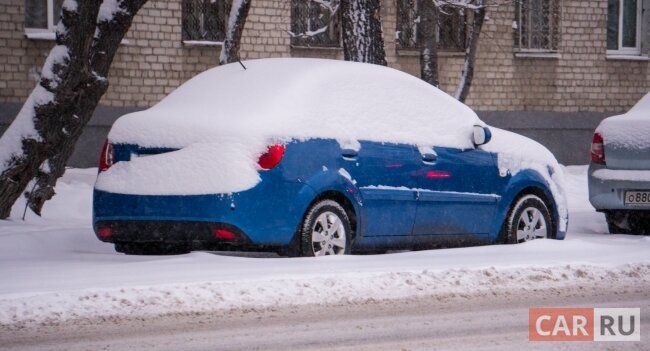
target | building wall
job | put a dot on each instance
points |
(581, 84)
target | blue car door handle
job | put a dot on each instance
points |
(349, 153)
(429, 157)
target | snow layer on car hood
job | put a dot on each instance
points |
(301, 98)
(630, 130)
(516, 152)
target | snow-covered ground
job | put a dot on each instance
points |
(53, 268)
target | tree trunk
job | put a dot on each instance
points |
(234, 29)
(470, 55)
(105, 45)
(62, 102)
(362, 34)
(428, 38)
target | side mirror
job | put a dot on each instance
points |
(481, 136)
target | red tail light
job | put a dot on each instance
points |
(598, 149)
(107, 157)
(224, 234)
(271, 157)
(105, 232)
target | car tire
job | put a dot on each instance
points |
(326, 230)
(148, 248)
(528, 219)
(625, 222)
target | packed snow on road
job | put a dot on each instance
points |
(53, 269)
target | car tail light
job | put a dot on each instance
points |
(105, 232)
(224, 234)
(597, 149)
(107, 157)
(271, 157)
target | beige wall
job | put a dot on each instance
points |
(153, 60)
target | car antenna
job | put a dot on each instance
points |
(241, 64)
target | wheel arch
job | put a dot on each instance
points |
(342, 200)
(526, 183)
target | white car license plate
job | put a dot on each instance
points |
(637, 197)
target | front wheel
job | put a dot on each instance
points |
(529, 219)
(325, 230)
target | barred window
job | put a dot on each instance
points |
(536, 25)
(452, 27)
(624, 26)
(314, 24)
(42, 15)
(205, 20)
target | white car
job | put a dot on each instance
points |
(619, 173)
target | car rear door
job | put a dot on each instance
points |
(385, 175)
(458, 192)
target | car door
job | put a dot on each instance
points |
(458, 192)
(384, 173)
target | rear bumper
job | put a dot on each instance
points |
(197, 233)
(259, 216)
(607, 188)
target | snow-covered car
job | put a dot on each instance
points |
(619, 172)
(319, 157)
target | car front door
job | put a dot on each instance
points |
(385, 175)
(458, 192)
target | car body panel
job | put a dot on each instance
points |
(453, 198)
(386, 186)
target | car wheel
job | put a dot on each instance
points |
(132, 248)
(325, 230)
(528, 219)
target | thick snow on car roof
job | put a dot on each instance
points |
(301, 98)
(630, 130)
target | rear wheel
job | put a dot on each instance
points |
(325, 230)
(529, 219)
(152, 248)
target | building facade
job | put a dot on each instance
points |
(550, 69)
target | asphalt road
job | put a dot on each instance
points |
(454, 322)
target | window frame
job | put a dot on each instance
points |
(220, 31)
(630, 51)
(553, 34)
(49, 32)
(334, 26)
(414, 41)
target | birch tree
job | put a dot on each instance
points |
(35, 147)
(429, 12)
(234, 30)
(363, 39)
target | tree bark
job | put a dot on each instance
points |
(73, 81)
(470, 55)
(428, 38)
(104, 47)
(234, 29)
(362, 34)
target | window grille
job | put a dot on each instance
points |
(314, 25)
(536, 25)
(205, 20)
(452, 27)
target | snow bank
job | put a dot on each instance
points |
(351, 288)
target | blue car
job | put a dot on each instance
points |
(367, 159)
